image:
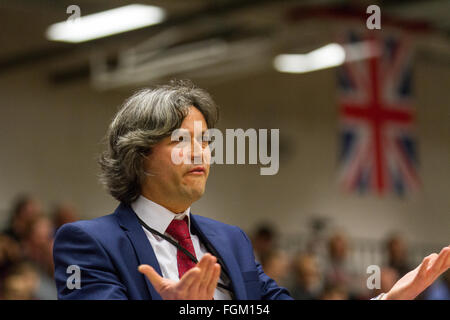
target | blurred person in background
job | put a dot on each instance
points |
(338, 271)
(38, 243)
(306, 277)
(64, 213)
(334, 292)
(397, 253)
(275, 264)
(263, 240)
(10, 253)
(24, 210)
(20, 282)
(38, 247)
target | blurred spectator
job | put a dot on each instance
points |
(317, 241)
(338, 270)
(38, 243)
(334, 292)
(26, 257)
(263, 240)
(38, 247)
(275, 264)
(24, 209)
(398, 254)
(62, 214)
(440, 290)
(10, 253)
(306, 277)
(20, 282)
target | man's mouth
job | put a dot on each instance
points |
(197, 170)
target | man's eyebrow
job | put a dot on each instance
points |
(184, 130)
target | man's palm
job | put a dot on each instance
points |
(198, 283)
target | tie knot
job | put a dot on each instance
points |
(178, 229)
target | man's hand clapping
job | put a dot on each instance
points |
(198, 283)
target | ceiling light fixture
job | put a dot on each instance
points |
(105, 23)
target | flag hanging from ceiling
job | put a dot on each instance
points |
(378, 149)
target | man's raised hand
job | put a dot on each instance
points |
(198, 283)
(417, 280)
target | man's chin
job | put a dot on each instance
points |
(196, 193)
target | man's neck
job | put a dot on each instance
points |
(173, 207)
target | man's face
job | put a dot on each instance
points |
(172, 185)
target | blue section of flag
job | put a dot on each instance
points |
(347, 141)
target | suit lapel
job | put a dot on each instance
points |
(221, 245)
(143, 248)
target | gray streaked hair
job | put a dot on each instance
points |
(144, 119)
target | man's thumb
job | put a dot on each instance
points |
(152, 275)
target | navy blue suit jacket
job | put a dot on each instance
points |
(109, 249)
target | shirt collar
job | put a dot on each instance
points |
(157, 216)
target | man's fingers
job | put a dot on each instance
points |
(214, 279)
(193, 286)
(209, 269)
(204, 264)
(204, 261)
(425, 262)
(155, 279)
(189, 278)
(198, 288)
(447, 260)
(438, 266)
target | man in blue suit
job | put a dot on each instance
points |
(152, 246)
(138, 170)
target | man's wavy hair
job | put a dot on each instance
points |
(144, 119)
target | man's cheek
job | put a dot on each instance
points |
(207, 156)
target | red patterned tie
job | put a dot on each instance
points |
(179, 230)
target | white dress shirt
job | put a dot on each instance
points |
(159, 218)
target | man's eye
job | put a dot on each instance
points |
(180, 137)
(181, 143)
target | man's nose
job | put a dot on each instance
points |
(197, 152)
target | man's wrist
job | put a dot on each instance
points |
(381, 296)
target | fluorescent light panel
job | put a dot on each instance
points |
(105, 23)
(328, 56)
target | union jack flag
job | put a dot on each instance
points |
(378, 150)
